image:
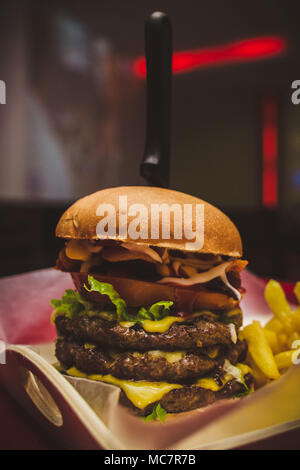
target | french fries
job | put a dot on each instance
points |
(296, 319)
(283, 341)
(272, 339)
(259, 378)
(260, 350)
(286, 358)
(275, 325)
(272, 349)
(294, 337)
(275, 297)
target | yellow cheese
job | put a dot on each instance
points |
(244, 368)
(154, 326)
(233, 312)
(59, 366)
(160, 326)
(209, 384)
(171, 357)
(127, 324)
(140, 393)
(90, 346)
(76, 373)
(78, 249)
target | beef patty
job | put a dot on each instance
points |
(190, 397)
(150, 365)
(195, 333)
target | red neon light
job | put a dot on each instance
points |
(241, 51)
(270, 153)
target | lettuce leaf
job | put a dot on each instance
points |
(160, 309)
(158, 413)
(157, 311)
(107, 289)
(143, 314)
(73, 304)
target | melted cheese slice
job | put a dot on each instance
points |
(155, 326)
(171, 357)
(74, 372)
(160, 326)
(209, 384)
(245, 368)
(127, 324)
(140, 393)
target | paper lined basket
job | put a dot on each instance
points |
(83, 414)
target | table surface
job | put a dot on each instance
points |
(17, 429)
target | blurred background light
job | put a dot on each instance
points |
(240, 51)
(270, 153)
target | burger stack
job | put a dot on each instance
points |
(152, 317)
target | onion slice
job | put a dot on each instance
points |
(135, 247)
(201, 278)
(233, 334)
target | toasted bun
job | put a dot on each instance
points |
(220, 234)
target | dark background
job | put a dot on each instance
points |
(74, 120)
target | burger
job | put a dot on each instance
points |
(152, 312)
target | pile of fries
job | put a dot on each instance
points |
(272, 349)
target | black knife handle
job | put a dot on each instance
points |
(155, 167)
